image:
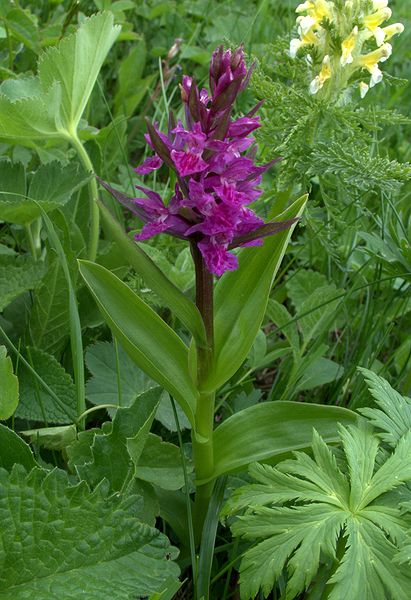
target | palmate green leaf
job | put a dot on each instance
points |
(149, 341)
(35, 403)
(325, 506)
(241, 298)
(62, 541)
(394, 415)
(273, 429)
(9, 386)
(18, 274)
(66, 76)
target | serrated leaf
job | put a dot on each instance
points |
(394, 418)
(75, 542)
(320, 372)
(35, 403)
(104, 453)
(14, 450)
(102, 388)
(324, 505)
(9, 386)
(160, 464)
(17, 275)
(67, 75)
(53, 438)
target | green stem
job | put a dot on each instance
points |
(94, 210)
(30, 239)
(202, 437)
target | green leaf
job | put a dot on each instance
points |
(9, 386)
(49, 322)
(105, 453)
(35, 403)
(394, 418)
(160, 464)
(91, 544)
(241, 299)
(152, 344)
(67, 75)
(154, 277)
(75, 64)
(17, 275)
(326, 502)
(53, 438)
(273, 429)
(280, 316)
(102, 388)
(14, 450)
(320, 372)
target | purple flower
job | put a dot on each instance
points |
(215, 179)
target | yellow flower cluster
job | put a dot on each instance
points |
(342, 34)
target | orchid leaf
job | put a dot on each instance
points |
(154, 277)
(241, 299)
(270, 430)
(148, 340)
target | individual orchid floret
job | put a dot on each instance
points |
(341, 35)
(216, 176)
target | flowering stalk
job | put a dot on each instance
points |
(344, 37)
(217, 179)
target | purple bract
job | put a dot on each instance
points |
(215, 180)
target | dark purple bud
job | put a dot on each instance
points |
(159, 145)
(261, 232)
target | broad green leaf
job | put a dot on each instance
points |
(323, 506)
(66, 76)
(91, 544)
(165, 415)
(394, 414)
(303, 283)
(241, 299)
(160, 463)
(23, 27)
(14, 450)
(280, 316)
(17, 275)
(273, 429)
(152, 344)
(103, 386)
(35, 403)
(154, 277)
(318, 312)
(9, 386)
(104, 453)
(76, 63)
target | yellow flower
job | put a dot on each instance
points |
(392, 30)
(370, 62)
(325, 73)
(306, 39)
(317, 9)
(348, 46)
(372, 23)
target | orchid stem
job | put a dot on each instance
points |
(202, 439)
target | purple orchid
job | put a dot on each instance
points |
(215, 180)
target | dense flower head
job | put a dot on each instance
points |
(216, 178)
(344, 37)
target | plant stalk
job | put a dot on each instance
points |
(94, 210)
(202, 437)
